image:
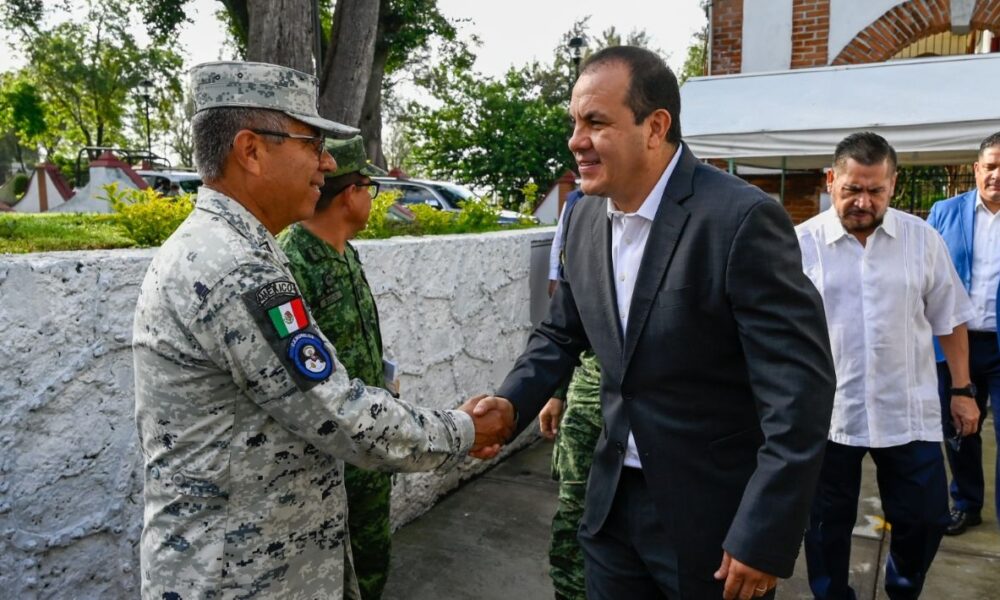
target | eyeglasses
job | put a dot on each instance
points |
(371, 187)
(318, 141)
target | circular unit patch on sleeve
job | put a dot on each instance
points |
(311, 358)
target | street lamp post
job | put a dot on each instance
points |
(146, 87)
(576, 46)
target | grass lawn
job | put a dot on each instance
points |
(22, 233)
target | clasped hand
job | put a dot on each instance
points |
(493, 418)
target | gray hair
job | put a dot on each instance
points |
(215, 129)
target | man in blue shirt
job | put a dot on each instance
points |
(970, 226)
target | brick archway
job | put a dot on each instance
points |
(908, 22)
(986, 16)
(902, 25)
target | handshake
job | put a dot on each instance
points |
(494, 420)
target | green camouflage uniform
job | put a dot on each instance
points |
(335, 288)
(243, 412)
(574, 451)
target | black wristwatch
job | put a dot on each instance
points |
(968, 391)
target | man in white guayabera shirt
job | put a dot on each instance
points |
(888, 287)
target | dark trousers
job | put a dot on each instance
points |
(629, 556)
(967, 485)
(632, 557)
(911, 483)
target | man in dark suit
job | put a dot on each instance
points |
(717, 382)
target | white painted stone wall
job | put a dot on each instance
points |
(454, 311)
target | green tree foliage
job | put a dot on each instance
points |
(181, 138)
(500, 133)
(86, 71)
(22, 113)
(21, 15)
(497, 134)
(163, 18)
(696, 58)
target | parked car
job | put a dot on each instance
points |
(161, 181)
(440, 195)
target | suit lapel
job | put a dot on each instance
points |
(663, 236)
(606, 276)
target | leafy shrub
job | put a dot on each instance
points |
(20, 184)
(380, 224)
(431, 221)
(148, 217)
(476, 216)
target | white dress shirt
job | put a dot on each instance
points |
(883, 303)
(556, 250)
(629, 232)
(985, 268)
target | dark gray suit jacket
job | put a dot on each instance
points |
(724, 375)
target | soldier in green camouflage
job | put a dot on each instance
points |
(244, 413)
(575, 423)
(332, 281)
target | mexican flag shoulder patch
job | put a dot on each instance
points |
(289, 317)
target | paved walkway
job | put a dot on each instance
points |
(488, 541)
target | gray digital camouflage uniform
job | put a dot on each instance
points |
(244, 417)
(262, 85)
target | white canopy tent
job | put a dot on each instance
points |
(934, 111)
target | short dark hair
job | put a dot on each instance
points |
(991, 142)
(653, 85)
(866, 148)
(333, 186)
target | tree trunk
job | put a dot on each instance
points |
(282, 33)
(240, 19)
(348, 62)
(371, 110)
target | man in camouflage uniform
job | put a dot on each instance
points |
(243, 412)
(329, 274)
(576, 424)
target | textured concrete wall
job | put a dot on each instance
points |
(454, 314)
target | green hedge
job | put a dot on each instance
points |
(145, 218)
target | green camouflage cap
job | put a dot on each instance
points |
(350, 156)
(262, 85)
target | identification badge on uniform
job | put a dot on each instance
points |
(289, 317)
(331, 298)
(307, 353)
(284, 322)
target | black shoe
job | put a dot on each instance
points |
(962, 520)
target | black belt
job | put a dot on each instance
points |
(982, 335)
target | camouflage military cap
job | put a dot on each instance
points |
(350, 156)
(262, 85)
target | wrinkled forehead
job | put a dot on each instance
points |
(600, 90)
